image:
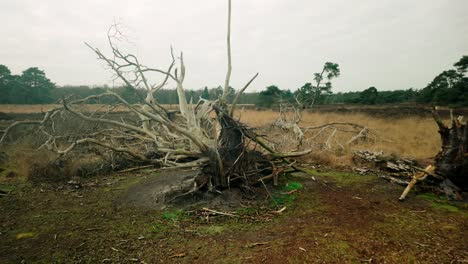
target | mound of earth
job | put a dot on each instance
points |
(175, 188)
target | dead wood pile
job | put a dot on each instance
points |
(448, 174)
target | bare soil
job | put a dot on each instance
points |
(339, 217)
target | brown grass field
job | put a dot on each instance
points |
(412, 136)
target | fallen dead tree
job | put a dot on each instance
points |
(450, 170)
(447, 175)
(398, 170)
(226, 151)
(390, 163)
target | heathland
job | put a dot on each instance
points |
(332, 215)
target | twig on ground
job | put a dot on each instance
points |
(218, 212)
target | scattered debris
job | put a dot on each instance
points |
(362, 171)
(420, 244)
(218, 212)
(280, 210)
(290, 192)
(256, 244)
(388, 163)
(116, 250)
(24, 235)
(136, 168)
(74, 184)
(80, 245)
(179, 255)
(93, 229)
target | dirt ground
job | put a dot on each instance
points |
(339, 217)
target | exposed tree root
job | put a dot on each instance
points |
(233, 155)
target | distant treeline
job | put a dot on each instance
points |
(33, 87)
(164, 96)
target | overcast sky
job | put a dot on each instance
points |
(389, 44)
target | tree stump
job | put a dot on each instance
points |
(450, 170)
(452, 160)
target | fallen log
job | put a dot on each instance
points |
(450, 170)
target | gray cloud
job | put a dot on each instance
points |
(390, 44)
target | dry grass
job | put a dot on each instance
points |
(410, 136)
(415, 137)
(46, 166)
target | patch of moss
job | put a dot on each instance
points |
(285, 195)
(6, 188)
(174, 215)
(442, 203)
(343, 178)
(160, 229)
(283, 200)
(449, 208)
(432, 197)
(402, 226)
(290, 186)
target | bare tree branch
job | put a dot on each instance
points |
(229, 64)
(233, 106)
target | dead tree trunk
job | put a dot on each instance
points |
(452, 160)
(450, 171)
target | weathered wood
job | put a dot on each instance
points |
(450, 171)
(452, 160)
(417, 177)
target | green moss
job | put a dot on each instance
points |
(160, 229)
(174, 215)
(442, 203)
(285, 195)
(402, 226)
(343, 178)
(6, 188)
(449, 208)
(432, 197)
(290, 186)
